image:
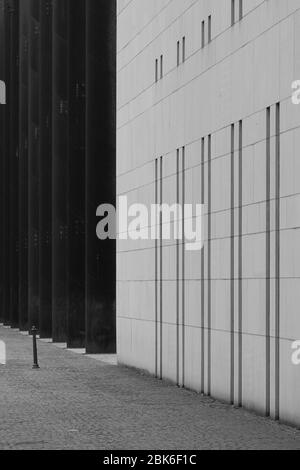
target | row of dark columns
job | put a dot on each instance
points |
(57, 151)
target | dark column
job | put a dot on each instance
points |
(13, 103)
(2, 110)
(76, 172)
(100, 173)
(33, 169)
(45, 168)
(59, 170)
(23, 164)
(5, 168)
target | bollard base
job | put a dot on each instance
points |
(35, 366)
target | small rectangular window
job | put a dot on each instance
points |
(178, 53)
(209, 28)
(161, 66)
(183, 49)
(156, 70)
(203, 34)
(232, 12)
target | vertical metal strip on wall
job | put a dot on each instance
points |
(177, 273)
(156, 269)
(232, 261)
(161, 271)
(209, 291)
(202, 269)
(277, 265)
(240, 275)
(268, 257)
(183, 266)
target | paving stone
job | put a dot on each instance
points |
(76, 402)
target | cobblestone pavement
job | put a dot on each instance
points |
(76, 402)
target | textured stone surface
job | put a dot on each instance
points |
(76, 402)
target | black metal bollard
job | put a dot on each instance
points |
(35, 356)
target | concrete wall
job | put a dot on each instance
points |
(222, 320)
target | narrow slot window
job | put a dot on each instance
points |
(183, 49)
(161, 66)
(241, 12)
(203, 34)
(156, 70)
(209, 28)
(232, 12)
(178, 53)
